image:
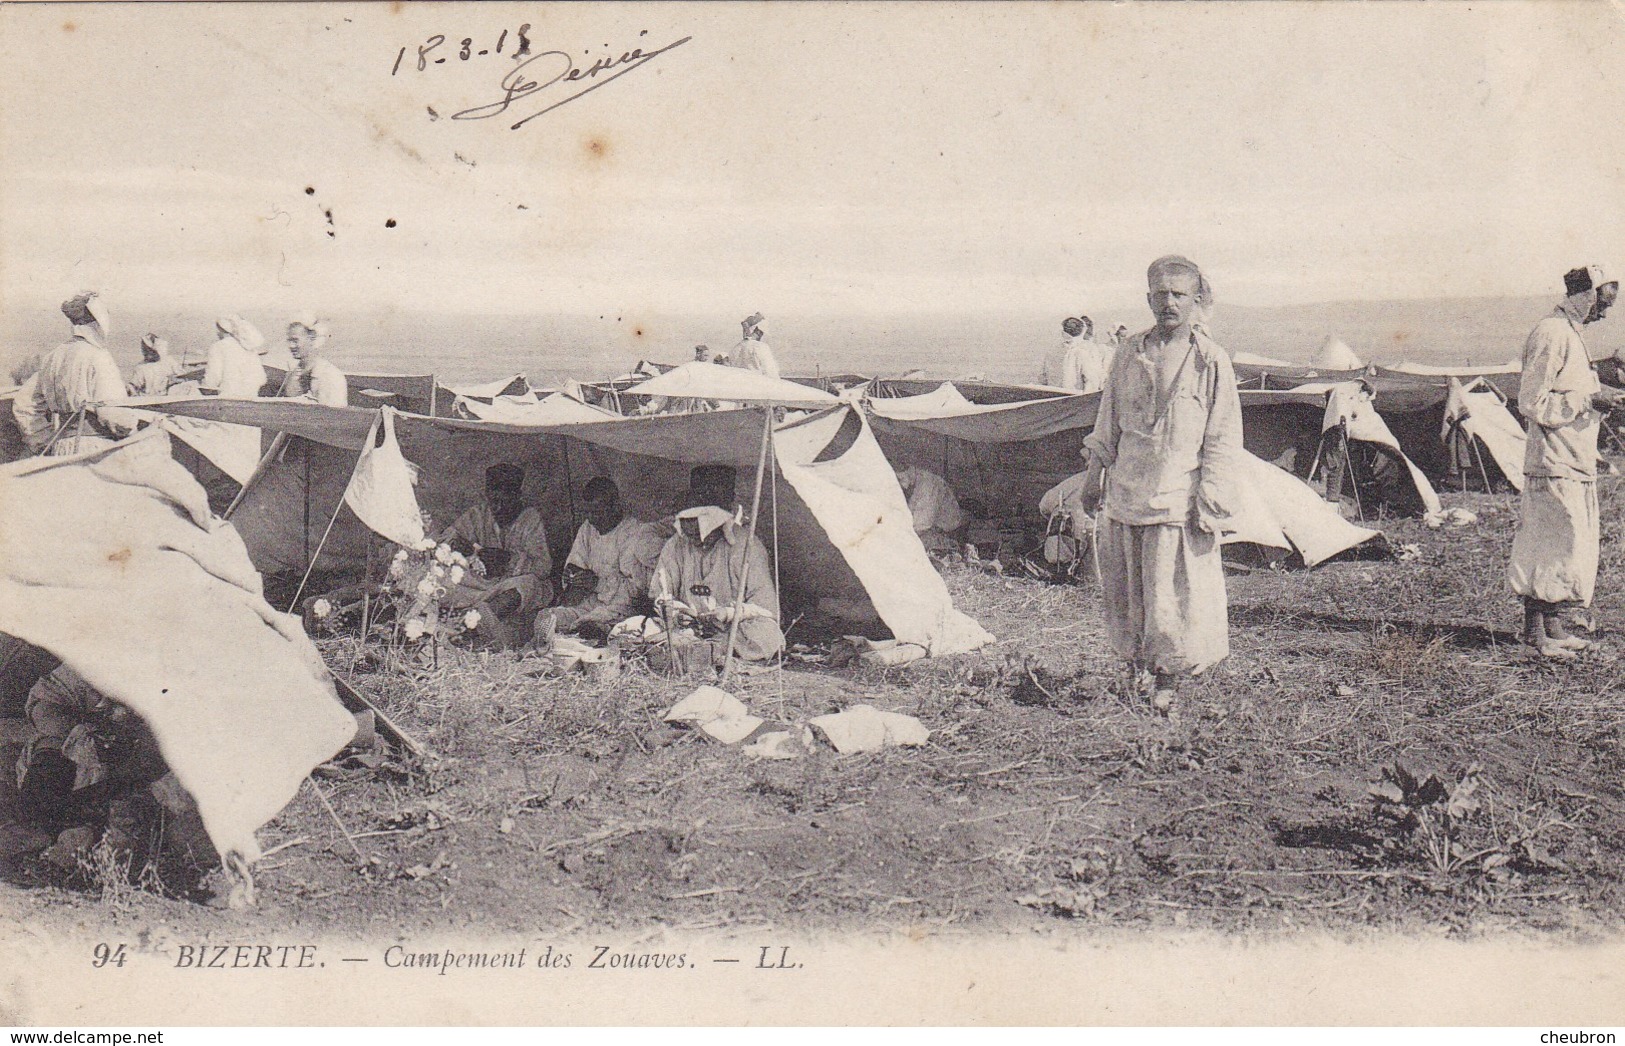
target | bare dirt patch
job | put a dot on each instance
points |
(1043, 801)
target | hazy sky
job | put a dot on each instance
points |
(809, 157)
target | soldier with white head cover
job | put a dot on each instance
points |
(753, 351)
(157, 369)
(74, 397)
(1164, 455)
(313, 377)
(1554, 555)
(233, 368)
(710, 573)
(1060, 363)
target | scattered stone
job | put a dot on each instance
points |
(863, 728)
(70, 848)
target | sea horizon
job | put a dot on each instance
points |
(999, 345)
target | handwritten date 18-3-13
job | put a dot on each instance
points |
(534, 73)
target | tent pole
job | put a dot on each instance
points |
(280, 441)
(744, 573)
(1354, 480)
(366, 614)
(372, 434)
(1452, 446)
(778, 587)
(305, 535)
(1478, 455)
(335, 816)
(1320, 448)
(77, 415)
(569, 483)
(981, 477)
(366, 607)
(671, 646)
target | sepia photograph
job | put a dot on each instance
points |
(803, 514)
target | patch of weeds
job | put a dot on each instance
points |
(106, 869)
(1083, 886)
(807, 785)
(1033, 684)
(1406, 658)
(1444, 826)
(777, 791)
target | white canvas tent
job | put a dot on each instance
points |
(130, 582)
(946, 411)
(1005, 455)
(513, 385)
(1252, 359)
(1477, 413)
(1279, 511)
(945, 401)
(1334, 354)
(529, 409)
(732, 384)
(1512, 366)
(1347, 405)
(826, 464)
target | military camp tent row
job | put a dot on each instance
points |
(823, 456)
(1383, 440)
(1380, 440)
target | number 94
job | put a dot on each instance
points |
(107, 955)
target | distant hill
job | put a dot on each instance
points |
(1444, 330)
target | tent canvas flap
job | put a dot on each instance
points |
(1282, 511)
(837, 468)
(1482, 415)
(712, 381)
(233, 449)
(1345, 403)
(128, 555)
(830, 464)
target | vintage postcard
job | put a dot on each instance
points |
(807, 514)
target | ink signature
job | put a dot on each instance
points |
(525, 79)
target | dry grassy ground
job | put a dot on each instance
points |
(1043, 801)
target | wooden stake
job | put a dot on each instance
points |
(76, 416)
(1354, 480)
(1479, 456)
(335, 816)
(755, 507)
(280, 441)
